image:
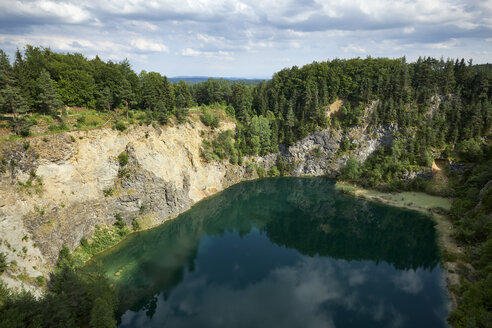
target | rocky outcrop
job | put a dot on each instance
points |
(320, 153)
(54, 190)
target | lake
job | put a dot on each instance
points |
(281, 252)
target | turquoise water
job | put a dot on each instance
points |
(284, 252)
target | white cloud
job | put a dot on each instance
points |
(252, 33)
(444, 45)
(63, 11)
(189, 52)
(149, 45)
(409, 281)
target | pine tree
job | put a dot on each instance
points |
(48, 99)
(102, 315)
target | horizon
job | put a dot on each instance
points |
(246, 39)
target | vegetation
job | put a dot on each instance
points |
(103, 238)
(471, 213)
(75, 298)
(441, 108)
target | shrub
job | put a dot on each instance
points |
(273, 172)
(210, 119)
(135, 224)
(123, 159)
(351, 171)
(3, 262)
(40, 281)
(182, 115)
(81, 119)
(25, 131)
(108, 192)
(120, 126)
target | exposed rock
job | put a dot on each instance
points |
(165, 173)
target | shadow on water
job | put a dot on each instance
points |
(305, 215)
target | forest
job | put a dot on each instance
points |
(442, 108)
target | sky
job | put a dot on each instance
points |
(248, 38)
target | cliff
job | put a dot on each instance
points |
(55, 189)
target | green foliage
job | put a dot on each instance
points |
(123, 158)
(222, 147)
(40, 281)
(136, 224)
(209, 119)
(471, 213)
(102, 314)
(48, 99)
(283, 166)
(469, 150)
(120, 126)
(182, 114)
(351, 171)
(108, 192)
(273, 172)
(3, 262)
(69, 301)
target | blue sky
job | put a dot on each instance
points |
(245, 38)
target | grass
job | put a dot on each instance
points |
(414, 200)
(103, 238)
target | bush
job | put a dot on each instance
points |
(108, 192)
(273, 172)
(123, 159)
(25, 131)
(283, 166)
(3, 262)
(120, 126)
(162, 117)
(40, 281)
(230, 111)
(182, 115)
(210, 119)
(351, 171)
(469, 150)
(135, 224)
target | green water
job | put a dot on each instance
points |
(286, 252)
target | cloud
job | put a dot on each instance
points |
(250, 35)
(188, 52)
(149, 45)
(409, 281)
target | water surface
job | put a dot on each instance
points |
(286, 252)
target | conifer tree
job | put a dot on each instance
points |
(48, 99)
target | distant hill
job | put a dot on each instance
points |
(198, 79)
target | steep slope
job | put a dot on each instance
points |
(58, 188)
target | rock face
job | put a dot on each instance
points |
(55, 189)
(319, 153)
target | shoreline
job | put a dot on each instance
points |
(422, 203)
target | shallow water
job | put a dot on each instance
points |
(284, 252)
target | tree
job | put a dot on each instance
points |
(261, 134)
(469, 150)
(48, 99)
(106, 98)
(127, 94)
(11, 100)
(351, 171)
(161, 112)
(3, 264)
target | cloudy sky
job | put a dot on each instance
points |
(248, 38)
